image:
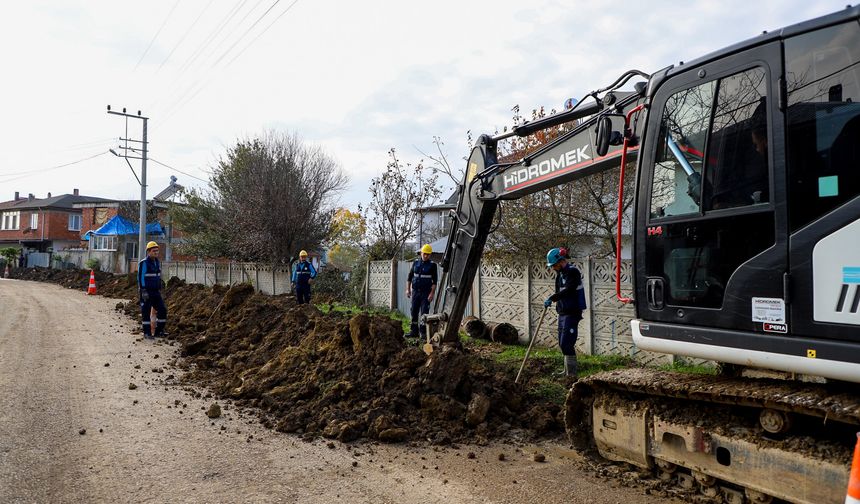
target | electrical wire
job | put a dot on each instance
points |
(28, 173)
(185, 35)
(261, 33)
(155, 36)
(246, 32)
(185, 99)
(177, 170)
(201, 83)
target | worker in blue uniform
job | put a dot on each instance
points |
(421, 287)
(303, 276)
(570, 302)
(149, 282)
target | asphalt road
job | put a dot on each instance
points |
(66, 362)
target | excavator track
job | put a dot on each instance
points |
(734, 439)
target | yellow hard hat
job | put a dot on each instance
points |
(151, 245)
(303, 254)
(426, 249)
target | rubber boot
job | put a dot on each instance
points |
(571, 366)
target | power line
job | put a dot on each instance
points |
(200, 85)
(186, 35)
(28, 173)
(212, 36)
(177, 170)
(189, 62)
(156, 35)
(246, 32)
(261, 33)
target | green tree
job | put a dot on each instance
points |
(268, 198)
(345, 239)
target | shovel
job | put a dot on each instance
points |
(531, 342)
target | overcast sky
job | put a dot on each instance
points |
(356, 78)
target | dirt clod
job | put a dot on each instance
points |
(539, 457)
(132, 386)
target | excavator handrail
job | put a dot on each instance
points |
(627, 137)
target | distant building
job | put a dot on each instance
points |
(47, 224)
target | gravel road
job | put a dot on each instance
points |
(66, 362)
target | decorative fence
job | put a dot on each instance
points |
(512, 294)
(515, 294)
(266, 278)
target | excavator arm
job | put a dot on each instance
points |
(583, 151)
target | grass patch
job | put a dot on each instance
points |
(353, 309)
(550, 390)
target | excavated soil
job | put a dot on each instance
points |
(337, 375)
(115, 286)
(343, 375)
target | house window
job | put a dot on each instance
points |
(34, 221)
(74, 222)
(10, 221)
(131, 250)
(103, 242)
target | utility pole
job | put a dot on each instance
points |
(129, 152)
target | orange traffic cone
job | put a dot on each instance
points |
(853, 495)
(91, 290)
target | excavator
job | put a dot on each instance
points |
(746, 252)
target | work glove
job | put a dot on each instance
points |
(547, 303)
(144, 296)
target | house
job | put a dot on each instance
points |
(43, 224)
(436, 219)
(110, 229)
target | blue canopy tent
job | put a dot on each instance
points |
(117, 226)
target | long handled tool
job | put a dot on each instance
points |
(531, 342)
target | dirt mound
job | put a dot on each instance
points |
(338, 375)
(107, 284)
(342, 376)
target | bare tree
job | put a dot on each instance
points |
(270, 196)
(580, 214)
(394, 195)
(440, 164)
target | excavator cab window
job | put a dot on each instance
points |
(823, 119)
(683, 132)
(710, 183)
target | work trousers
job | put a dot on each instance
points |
(154, 300)
(303, 294)
(568, 330)
(420, 306)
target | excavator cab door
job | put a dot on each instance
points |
(710, 233)
(823, 158)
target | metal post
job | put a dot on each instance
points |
(528, 290)
(141, 246)
(588, 274)
(393, 301)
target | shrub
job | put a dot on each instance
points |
(93, 263)
(330, 281)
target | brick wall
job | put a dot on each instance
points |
(94, 218)
(23, 224)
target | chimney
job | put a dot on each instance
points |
(76, 192)
(17, 195)
(31, 196)
(49, 195)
